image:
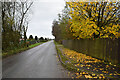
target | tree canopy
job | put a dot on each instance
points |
(88, 20)
(94, 19)
(36, 38)
(30, 37)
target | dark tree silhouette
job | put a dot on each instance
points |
(46, 39)
(36, 38)
(30, 37)
(41, 38)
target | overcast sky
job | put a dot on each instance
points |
(44, 12)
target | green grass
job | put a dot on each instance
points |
(18, 50)
(31, 46)
(69, 66)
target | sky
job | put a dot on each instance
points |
(43, 14)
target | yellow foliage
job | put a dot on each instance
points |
(84, 26)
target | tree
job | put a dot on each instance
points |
(36, 38)
(30, 37)
(94, 19)
(64, 24)
(10, 32)
(46, 39)
(56, 31)
(88, 20)
(14, 23)
(24, 8)
(60, 28)
(41, 38)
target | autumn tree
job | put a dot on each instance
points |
(94, 19)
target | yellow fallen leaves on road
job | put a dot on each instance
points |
(88, 76)
(101, 75)
(107, 66)
(101, 69)
(79, 57)
(105, 71)
(88, 68)
(79, 76)
(82, 61)
(111, 74)
(88, 65)
(95, 77)
(77, 73)
(83, 73)
(93, 74)
(81, 65)
(78, 64)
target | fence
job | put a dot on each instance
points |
(106, 49)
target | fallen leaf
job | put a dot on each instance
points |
(93, 74)
(111, 74)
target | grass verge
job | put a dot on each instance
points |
(86, 67)
(63, 59)
(18, 50)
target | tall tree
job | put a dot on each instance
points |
(12, 20)
(56, 31)
(24, 8)
(94, 19)
(61, 28)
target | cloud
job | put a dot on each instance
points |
(44, 12)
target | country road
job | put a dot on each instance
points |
(38, 62)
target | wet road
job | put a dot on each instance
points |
(38, 62)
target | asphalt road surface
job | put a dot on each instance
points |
(38, 62)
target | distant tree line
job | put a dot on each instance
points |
(41, 39)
